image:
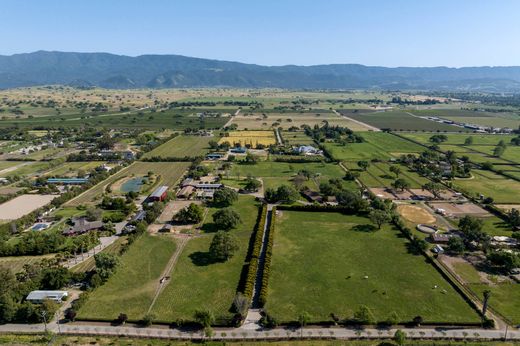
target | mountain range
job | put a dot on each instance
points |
(177, 71)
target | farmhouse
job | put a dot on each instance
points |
(38, 297)
(307, 150)
(159, 194)
(81, 226)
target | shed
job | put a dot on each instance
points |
(39, 296)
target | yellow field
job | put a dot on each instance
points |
(249, 138)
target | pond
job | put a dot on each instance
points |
(133, 185)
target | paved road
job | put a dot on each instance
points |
(247, 332)
(104, 242)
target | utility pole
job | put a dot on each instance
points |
(44, 316)
(505, 334)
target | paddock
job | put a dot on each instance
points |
(23, 205)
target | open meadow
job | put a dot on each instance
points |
(274, 174)
(490, 184)
(199, 283)
(181, 146)
(131, 289)
(329, 263)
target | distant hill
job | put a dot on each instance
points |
(167, 71)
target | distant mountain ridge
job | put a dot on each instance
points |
(177, 71)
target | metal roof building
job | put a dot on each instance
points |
(40, 296)
(159, 194)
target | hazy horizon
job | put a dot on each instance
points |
(407, 33)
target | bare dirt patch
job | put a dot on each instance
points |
(508, 207)
(382, 192)
(416, 214)
(459, 210)
(9, 190)
(425, 194)
(172, 208)
(403, 195)
(23, 205)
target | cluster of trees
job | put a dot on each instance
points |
(437, 139)
(499, 150)
(14, 288)
(41, 243)
(329, 132)
(284, 193)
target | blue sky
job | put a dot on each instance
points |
(273, 32)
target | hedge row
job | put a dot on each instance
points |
(249, 283)
(267, 261)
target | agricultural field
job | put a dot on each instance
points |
(295, 138)
(389, 279)
(71, 169)
(498, 119)
(400, 120)
(30, 168)
(174, 119)
(181, 146)
(356, 151)
(249, 138)
(459, 138)
(490, 184)
(196, 282)
(390, 143)
(169, 174)
(16, 263)
(274, 174)
(132, 287)
(378, 175)
(270, 120)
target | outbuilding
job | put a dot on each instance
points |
(38, 297)
(159, 194)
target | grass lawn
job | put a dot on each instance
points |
(320, 263)
(297, 138)
(356, 151)
(132, 287)
(391, 143)
(501, 189)
(196, 283)
(70, 169)
(181, 146)
(505, 298)
(275, 174)
(378, 175)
